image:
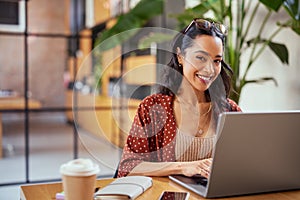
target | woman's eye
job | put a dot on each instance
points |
(217, 62)
(201, 58)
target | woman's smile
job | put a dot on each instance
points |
(204, 78)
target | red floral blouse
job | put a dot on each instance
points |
(152, 135)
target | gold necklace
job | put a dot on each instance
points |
(201, 130)
(210, 105)
(191, 106)
(188, 106)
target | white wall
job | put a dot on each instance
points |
(266, 96)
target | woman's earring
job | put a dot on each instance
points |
(180, 65)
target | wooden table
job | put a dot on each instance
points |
(14, 103)
(48, 191)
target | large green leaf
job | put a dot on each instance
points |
(189, 14)
(136, 18)
(281, 51)
(293, 8)
(272, 4)
(146, 41)
(200, 10)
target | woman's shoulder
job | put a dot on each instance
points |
(157, 99)
(234, 105)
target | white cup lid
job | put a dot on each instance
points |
(79, 167)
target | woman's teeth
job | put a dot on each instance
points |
(206, 78)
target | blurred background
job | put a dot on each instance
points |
(62, 98)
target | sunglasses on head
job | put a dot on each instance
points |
(206, 25)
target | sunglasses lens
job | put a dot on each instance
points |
(206, 25)
(221, 28)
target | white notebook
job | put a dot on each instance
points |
(128, 187)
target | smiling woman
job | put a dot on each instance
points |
(174, 131)
(202, 62)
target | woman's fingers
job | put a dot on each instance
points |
(201, 167)
(205, 167)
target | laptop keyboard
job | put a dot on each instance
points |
(200, 180)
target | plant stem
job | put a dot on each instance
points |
(250, 21)
(256, 40)
(249, 5)
(238, 28)
(229, 44)
(242, 19)
(239, 36)
(222, 5)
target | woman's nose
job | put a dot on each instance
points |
(208, 67)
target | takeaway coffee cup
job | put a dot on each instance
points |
(79, 177)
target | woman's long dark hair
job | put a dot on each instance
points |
(172, 77)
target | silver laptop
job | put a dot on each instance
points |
(254, 153)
